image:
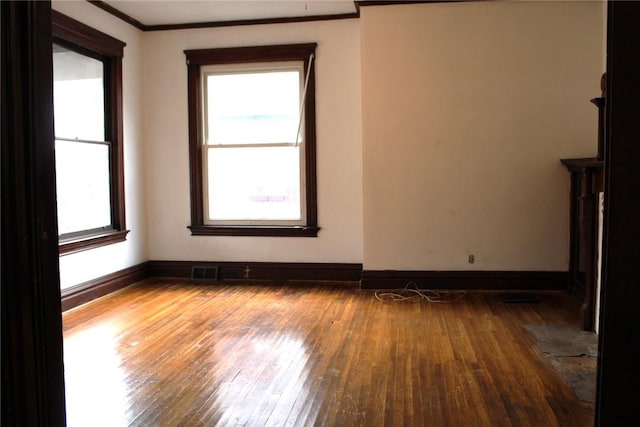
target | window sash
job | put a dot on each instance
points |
(79, 94)
(85, 177)
(208, 145)
(301, 195)
(89, 217)
(253, 69)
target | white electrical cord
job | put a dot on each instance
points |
(411, 293)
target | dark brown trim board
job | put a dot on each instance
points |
(360, 4)
(618, 391)
(260, 270)
(85, 292)
(244, 22)
(83, 244)
(81, 35)
(468, 280)
(118, 14)
(216, 24)
(329, 272)
(31, 348)
(206, 230)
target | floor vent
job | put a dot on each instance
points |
(204, 273)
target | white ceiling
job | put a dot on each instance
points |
(162, 12)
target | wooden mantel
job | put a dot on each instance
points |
(587, 181)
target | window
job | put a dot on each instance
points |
(87, 92)
(252, 141)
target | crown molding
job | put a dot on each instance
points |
(215, 24)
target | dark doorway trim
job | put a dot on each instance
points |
(618, 391)
(32, 364)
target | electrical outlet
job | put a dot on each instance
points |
(472, 259)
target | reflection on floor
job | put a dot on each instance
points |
(174, 353)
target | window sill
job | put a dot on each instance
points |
(79, 244)
(240, 230)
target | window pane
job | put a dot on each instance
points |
(254, 183)
(78, 95)
(253, 108)
(82, 179)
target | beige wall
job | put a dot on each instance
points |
(440, 129)
(339, 145)
(467, 109)
(83, 266)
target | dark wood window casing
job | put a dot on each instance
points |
(85, 40)
(246, 55)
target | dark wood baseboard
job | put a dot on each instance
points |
(336, 272)
(87, 291)
(476, 280)
(260, 270)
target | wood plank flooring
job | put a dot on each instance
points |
(164, 353)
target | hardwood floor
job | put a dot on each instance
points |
(163, 353)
